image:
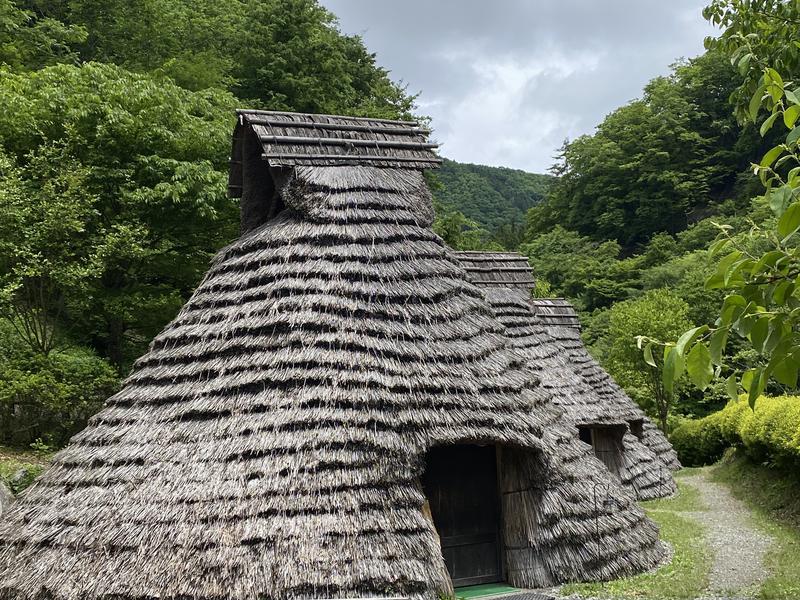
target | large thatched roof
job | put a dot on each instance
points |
(547, 331)
(270, 443)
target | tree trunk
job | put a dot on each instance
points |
(116, 331)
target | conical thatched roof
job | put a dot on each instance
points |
(270, 443)
(548, 332)
(562, 323)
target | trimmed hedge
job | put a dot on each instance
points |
(770, 433)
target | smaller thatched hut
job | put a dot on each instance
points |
(548, 332)
(562, 323)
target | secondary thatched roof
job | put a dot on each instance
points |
(548, 332)
(556, 312)
(271, 441)
(498, 269)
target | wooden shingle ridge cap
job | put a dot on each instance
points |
(502, 269)
(555, 301)
(290, 139)
(312, 116)
(556, 311)
(480, 253)
(491, 256)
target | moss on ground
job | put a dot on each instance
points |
(773, 495)
(18, 468)
(685, 576)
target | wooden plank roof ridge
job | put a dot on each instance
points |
(292, 139)
(504, 269)
(313, 116)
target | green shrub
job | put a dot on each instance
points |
(770, 433)
(730, 420)
(17, 475)
(699, 442)
(48, 398)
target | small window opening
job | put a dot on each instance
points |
(637, 428)
(585, 434)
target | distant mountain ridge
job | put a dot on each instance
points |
(492, 196)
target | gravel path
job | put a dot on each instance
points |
(738, 546)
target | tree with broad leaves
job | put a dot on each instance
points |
(759, 269)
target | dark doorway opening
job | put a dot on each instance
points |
(461, 485)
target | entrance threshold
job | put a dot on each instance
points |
(484, 590)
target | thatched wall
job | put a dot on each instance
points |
(535, 511)
(581, 388)
(270, 443)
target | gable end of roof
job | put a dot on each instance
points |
(299, 139)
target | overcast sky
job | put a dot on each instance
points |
(506, 81)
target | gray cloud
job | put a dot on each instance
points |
(506, 82)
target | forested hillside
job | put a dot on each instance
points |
(491, 196)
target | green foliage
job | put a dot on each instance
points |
(768, 433)
(116, 202)
(756, 34)
(17, 475)
(580, 268)
(45, 249)
(30, 41)
(292, 56)
(280, 54)
(48, 397)
(699, 441)
(461, 233)
(759, 268)
(496, 197)
(661, 313)
(542, 289)
(653, 163)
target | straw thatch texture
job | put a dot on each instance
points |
(557, 313)
(270, 443)
(583, 405)
(550, 339)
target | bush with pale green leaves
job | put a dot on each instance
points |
(768, 433)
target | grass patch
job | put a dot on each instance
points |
(687, 573)
(28, 464)
(774, 497)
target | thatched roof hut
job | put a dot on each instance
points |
(547, 330)
(308, 422)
